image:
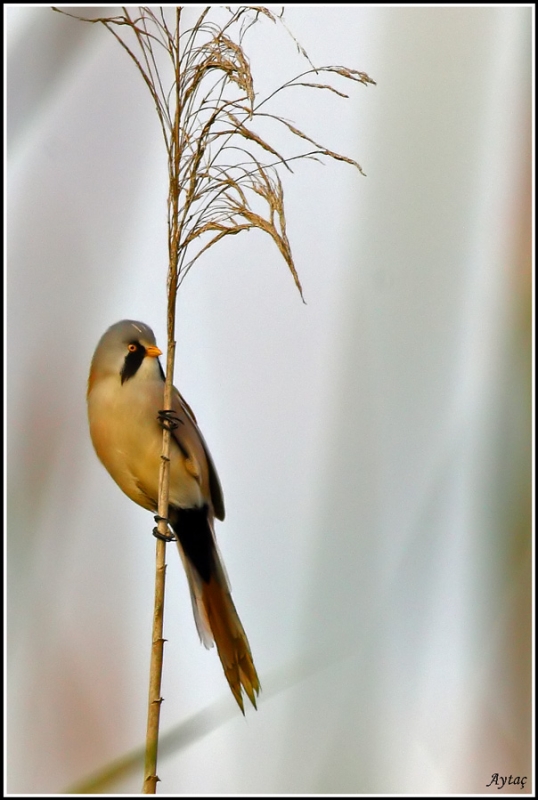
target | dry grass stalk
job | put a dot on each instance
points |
(207, 107)
(221, 171)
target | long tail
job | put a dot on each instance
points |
(215, 615)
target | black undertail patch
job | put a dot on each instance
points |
(191, 526)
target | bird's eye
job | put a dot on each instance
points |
(132, 348)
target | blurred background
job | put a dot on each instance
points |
(374, 445)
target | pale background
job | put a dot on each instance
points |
(374, 445)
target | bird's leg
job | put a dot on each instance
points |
(169, 419)
(158, 535)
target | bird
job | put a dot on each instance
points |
(125, 411)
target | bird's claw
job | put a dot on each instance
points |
(165, 537)
(169, 419)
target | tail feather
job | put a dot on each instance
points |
(231, 640)
(215, 614)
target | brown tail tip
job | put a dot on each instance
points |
(242, 676)
(232, 643)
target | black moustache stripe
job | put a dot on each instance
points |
(132, 362)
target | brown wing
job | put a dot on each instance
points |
(184, 410)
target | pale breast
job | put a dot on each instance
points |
(128, 440)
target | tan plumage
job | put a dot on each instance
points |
(125, 394)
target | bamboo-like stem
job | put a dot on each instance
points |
(157, 646)
(157, 650)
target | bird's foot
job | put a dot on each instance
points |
(165, 537)
(169, 419)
